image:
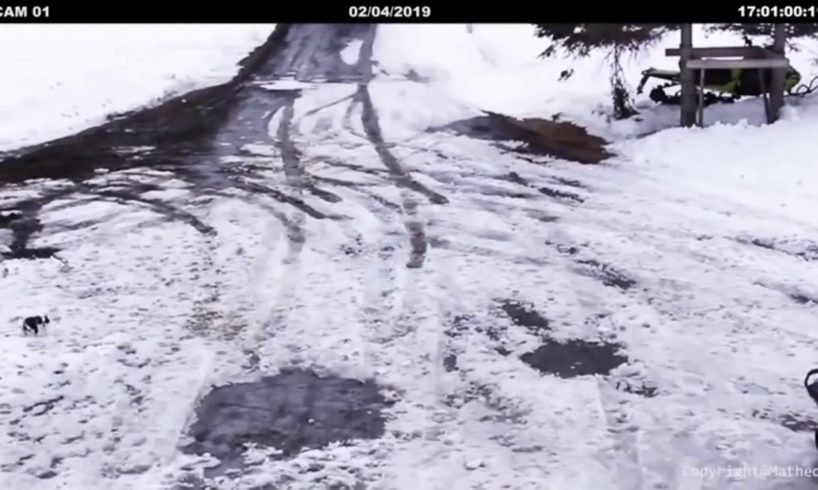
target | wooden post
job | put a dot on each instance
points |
(688, 99)
(778, 75)
(700, 116)
(764, 95)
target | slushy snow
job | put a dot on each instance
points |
(715, 228)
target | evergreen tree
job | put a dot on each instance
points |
(793, 31)
(616, 39)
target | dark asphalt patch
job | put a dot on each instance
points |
(524, 315)
(24, 223)
(573, 358)
(450, 362)
(563, 358)
(291, 411)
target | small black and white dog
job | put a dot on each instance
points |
(33, 324)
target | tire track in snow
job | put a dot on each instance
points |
(417, 234)
(286, 265)
(293, 174)
(288, 272)
(347, 120)
(369, 118)
(293, 168)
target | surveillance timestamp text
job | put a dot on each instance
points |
(769, 12)
(390, 12)
(24, 11)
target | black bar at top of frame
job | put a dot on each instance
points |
(395, 11)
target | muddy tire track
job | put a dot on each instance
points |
(417, 234)
(292, 172)
(256, 188)
(161, 207)
(369, 118)
(362, 188)
(291, 156)
(347, 123)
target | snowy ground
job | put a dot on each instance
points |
(693, 249)
(61, 79)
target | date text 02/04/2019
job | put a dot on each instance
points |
(390, 12)
(794, 12)
(23, 12)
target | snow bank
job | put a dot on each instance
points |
(498, 67)
(61, 79)
(770, 169)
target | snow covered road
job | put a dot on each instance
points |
(522, 322)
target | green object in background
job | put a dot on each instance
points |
(736, 82)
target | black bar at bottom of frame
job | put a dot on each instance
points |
(428, 11)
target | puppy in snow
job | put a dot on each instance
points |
(33, 324)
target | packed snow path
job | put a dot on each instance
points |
(528, 323)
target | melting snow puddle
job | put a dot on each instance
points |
(566, 359)
(288, 412)
(523, 315)
(574, 358)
